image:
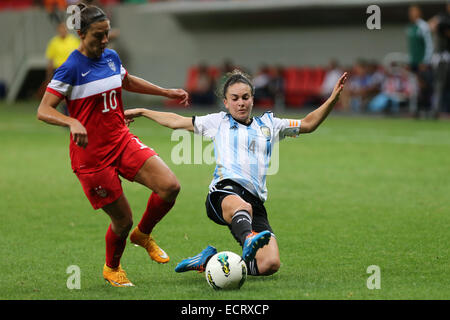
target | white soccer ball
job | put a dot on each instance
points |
(226, 270)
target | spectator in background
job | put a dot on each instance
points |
(261, 82)
(358, 85)
(440, 25)
(420, 41)
(227, 66)
(277, 84)
(375, 79)
(425, 90)
(58, 50)
(333, 73)
(56, 9)
(202, 94)
(395, 90)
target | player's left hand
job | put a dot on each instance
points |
(179, 94)
(130, 114)
(128, 122)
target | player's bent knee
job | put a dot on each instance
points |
(174, 189)
(245, 206)
(170, 191)
(123, 227)
(269, 266)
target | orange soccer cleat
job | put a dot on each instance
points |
(146, 241)
(116, 276)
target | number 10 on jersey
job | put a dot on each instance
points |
(112, 101)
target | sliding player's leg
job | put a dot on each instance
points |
(238, 214)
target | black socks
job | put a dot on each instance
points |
(241, 225)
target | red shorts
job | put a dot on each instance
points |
(104, 186)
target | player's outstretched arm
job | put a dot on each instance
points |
(167, 119)
(138, 85)
(315, 118)
(47, 112)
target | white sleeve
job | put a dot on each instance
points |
(208, 125)
(61, 83)
(286, 127)
(123, 72)
(60, 87)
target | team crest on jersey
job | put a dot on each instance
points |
(112, 65)
(265, 131)
(101, 192)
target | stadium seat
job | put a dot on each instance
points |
(265, 104)
(192, 76)
(16, 4)
(109, 2)
(295, 82)
(302, 84)
(314, 81)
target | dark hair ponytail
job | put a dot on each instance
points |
(236, 76)
(90, 15)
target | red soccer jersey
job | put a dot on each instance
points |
(92, 89)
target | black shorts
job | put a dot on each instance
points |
(228, 187)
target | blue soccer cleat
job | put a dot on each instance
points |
(197, 262)
(253, 243)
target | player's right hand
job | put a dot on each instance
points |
(79, 133)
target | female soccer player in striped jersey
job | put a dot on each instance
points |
(101, 146)
(242, 147)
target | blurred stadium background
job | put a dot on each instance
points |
(289, 46)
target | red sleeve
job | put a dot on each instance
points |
(56, 93)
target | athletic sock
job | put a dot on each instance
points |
(241, 225)
(115, 246)
(252, 268)
(157, 208)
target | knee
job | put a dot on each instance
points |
(244, 206)
(123, 227)
(174, 189)
(247, 207)
(170, 192)
(269, 266)
(231, 205)
(128, 225)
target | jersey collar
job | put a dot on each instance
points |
(234, 122)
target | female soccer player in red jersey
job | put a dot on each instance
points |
(101, 146)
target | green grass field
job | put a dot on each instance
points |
(357, 192)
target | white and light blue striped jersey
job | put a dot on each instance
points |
(243, 152)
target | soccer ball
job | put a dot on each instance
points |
(226, 270)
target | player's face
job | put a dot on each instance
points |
(95, 39)
(239, 101)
